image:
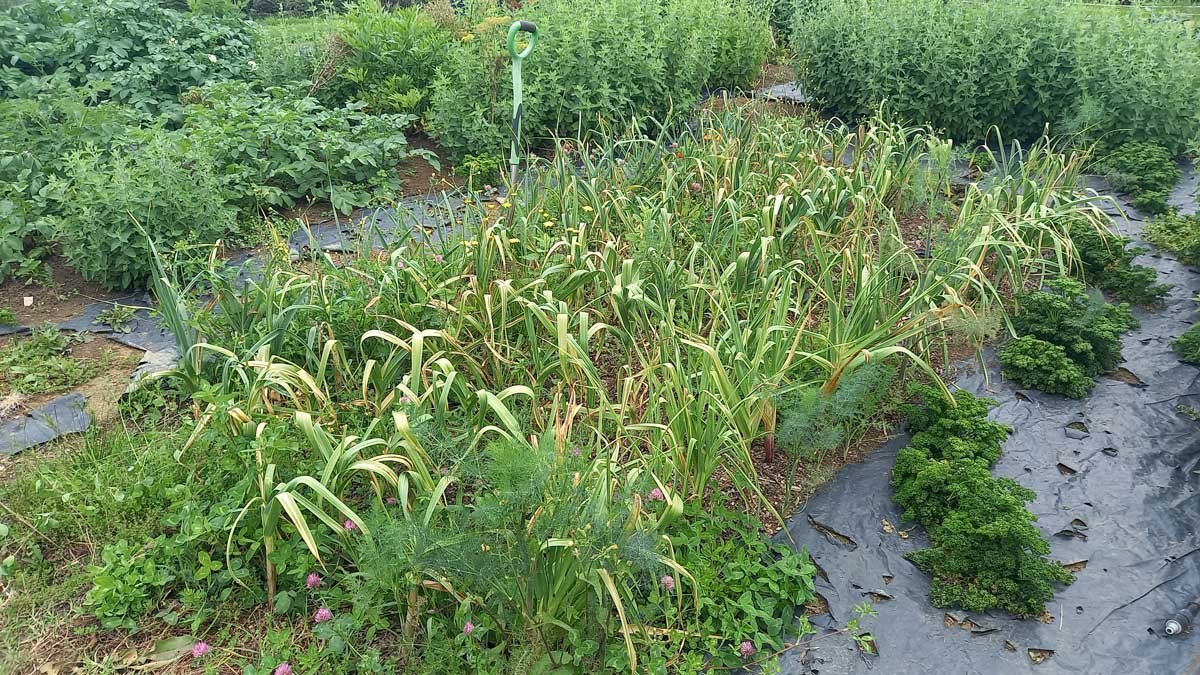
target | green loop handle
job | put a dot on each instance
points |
(521, 27)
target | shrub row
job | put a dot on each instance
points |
(596, 62)
(985, 552)
(966, 67)
(1067, 337)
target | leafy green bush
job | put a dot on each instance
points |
(985, 552)
(954, 429)
(1087, 328)
(270, 150)
(1035, 363)
(1107, 263)
(1149, 94)
(1188, 346)
(140, 53)
(35, 135)
(812, 422)
(289, 53)
(959, 66)
(108, 204)
(385, 58)
(596, 62)
(130, 581)
(1145, 170)
(966, 67)
(1178, 234)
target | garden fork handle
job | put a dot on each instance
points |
(518, 103)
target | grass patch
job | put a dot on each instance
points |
(42, 363)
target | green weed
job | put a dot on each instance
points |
(42, 363)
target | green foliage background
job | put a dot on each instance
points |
(596, 63)
(967, 67)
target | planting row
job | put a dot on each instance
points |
(507, 449)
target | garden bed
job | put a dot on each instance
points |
(1115, 474)
(543, 427)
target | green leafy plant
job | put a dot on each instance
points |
(1167, 108)
(1035, 363)
(136, 51)
(954, 428)
(385, 58)
(971, 68)
(1178, 234)
(218, 7)
(750, 589)
(36, 135)
(1188, 346)
(1144, 170)
(481, 170)
(290, 53)
(985, 552)
(596, 64)
(811, 421)
(109, 205)
(1106, 262)
(964, 68)
(128, 582)
(117, 317)
(7, 317)
(273, 151)
(1087, 328)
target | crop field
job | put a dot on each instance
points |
(571, 336)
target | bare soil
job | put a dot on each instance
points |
(420, 177)
(775, 73)
(63, 297)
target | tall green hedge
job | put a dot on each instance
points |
(595, 60)
(965, 67)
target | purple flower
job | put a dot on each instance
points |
(200, 649)
(674, 145)
(399, 264)
(437, 258)
(284, 668)
(668, 582)
(575, 452)
(404, 400)
(468, 628)
(323, 614)
(313, 581)
(392, 501)
(747, 649)
(350, 525)
(655, 495)
(696, 187)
